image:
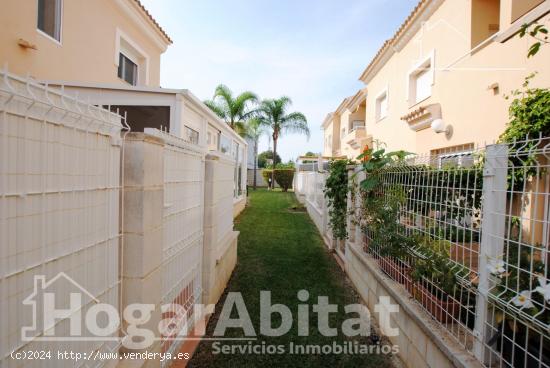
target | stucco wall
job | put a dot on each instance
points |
(83, 55)
(476, 112)
(328, 142)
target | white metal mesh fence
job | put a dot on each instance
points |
(468, 239)
(183, 234)
(517, 323)
(422, 226)
(59, 212)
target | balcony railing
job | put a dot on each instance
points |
(357, 124)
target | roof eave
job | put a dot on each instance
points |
(327, 120)
(423, 10)
(137, 13)
(356, 100)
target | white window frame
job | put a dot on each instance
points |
(214, 134)
(41, 32)
(427, 62)
(126, 46)
(378, 113)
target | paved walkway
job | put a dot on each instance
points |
(280, 250)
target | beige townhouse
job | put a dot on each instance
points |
(108, 52)
(439, 83)
(99, 41)
(344, 129)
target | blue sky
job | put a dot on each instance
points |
(311, 51)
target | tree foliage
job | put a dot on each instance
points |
(274, 113)
(235, 110)
(539, 32)
(284, 178)
(529, 119)
(267, 155)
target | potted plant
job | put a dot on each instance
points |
(435, 280)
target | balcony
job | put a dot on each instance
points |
(356, 135)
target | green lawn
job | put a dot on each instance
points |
(281, 250)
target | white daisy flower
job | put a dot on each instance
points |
(496, 267)
(523, 300)
(544, 288)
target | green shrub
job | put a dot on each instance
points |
(288, 165)
(284, 178)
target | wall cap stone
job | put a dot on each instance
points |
(140, 136)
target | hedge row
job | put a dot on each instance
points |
(283, 177)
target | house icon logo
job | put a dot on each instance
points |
(60, 301)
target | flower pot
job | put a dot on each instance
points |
(466, 254)
(444, 311)
(397, 271)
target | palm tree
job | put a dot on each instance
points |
(274, 115)
(234, 110)
(255, 127)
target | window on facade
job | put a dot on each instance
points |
(485, 20)
(127, 69)
(212, 139)
(421, 80)
(423, 85)
(225, 144)
(456, 156)
(190, 135)
(382, 105)
(49, 18)
(343, 132)
(522, 7)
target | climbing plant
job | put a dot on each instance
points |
(336, 192)
(538, 32)
(529, 119)
(529, 113)
(382, 203)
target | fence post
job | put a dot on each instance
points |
(495, 171)
(143, 226)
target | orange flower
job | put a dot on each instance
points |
(365, 150)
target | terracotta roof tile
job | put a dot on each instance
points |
(154, 21)
(417, 9)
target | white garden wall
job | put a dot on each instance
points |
(166, 237)
(220, 240)
(59, 212)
